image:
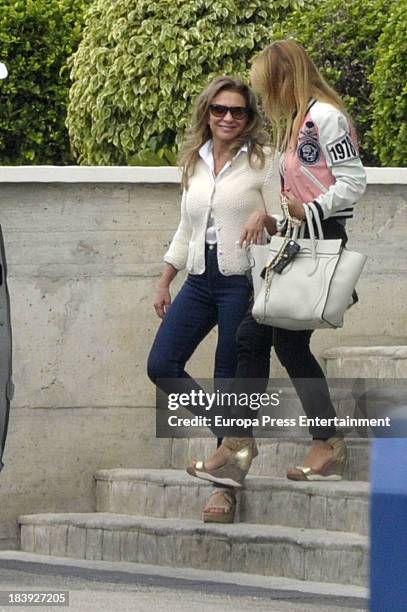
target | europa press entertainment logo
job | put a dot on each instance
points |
(3, 71)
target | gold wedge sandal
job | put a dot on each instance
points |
(233, 472)
(316, 468)
(221, 507)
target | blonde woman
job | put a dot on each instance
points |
(319, 164)
(226, 201)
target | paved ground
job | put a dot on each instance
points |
(108, 597)
(92, 589)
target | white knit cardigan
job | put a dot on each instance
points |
(233, 196)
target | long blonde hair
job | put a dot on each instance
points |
(287, 79)
(199, 131)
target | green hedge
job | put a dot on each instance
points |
(389, 99)
(36, 37)
(341, 38)
(141, 63)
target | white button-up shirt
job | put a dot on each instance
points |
(206, 153)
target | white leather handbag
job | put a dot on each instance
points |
(314, 289)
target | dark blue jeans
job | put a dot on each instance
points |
(205, 300)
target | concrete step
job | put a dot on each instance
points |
(266, 589)
(314, 555)
(334, 506)
(366, 362)
(275, 455)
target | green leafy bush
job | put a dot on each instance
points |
(389, 98)
(341, 38)
(141, 63)
(36, 37)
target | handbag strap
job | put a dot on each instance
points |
(296, 228)
(308, 221)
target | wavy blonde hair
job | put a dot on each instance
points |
(287, 79)
(199, 131)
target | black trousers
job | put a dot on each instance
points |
(254, 343)
(293, 351)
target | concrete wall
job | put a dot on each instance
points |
(83, 260)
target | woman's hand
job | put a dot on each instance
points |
(253, 229)
(162, 300)
(295, 207)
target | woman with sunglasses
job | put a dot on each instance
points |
(319, 164)
(226, 201)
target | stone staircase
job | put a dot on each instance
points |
(366, 362)
(311, 532)
(307, 531)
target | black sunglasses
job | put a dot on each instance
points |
(237, 112)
